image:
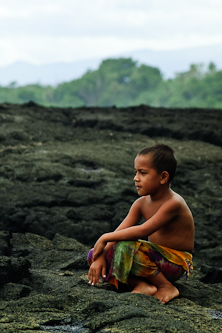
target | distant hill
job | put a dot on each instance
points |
(169, 62)
(47, 74)
(177, 61)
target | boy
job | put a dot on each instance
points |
(149, 267)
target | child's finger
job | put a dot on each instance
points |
(93, 277)
(96, 277)
(104, 271)
(90, 276)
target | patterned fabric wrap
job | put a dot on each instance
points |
(143, 258)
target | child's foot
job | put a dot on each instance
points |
(167, 293)
(145, 288)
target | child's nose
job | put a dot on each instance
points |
(135, 177)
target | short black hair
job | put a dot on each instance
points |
(163, 158)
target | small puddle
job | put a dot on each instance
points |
(215, 314)
(63, 328)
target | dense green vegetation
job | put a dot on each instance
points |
(122, 82)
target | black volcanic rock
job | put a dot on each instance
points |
(66, 177)
(55, 296)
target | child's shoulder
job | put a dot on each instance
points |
(172, 201)
(177, 204)
(140, 202)
(177, 199)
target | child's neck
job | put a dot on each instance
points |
(164, 192)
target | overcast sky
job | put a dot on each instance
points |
(45, 31)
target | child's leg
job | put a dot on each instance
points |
(157, 286)
(141, 286)
(153, 274)
(166, 291)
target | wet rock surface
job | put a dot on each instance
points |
(66, 177)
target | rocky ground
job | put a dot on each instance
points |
(66, 177)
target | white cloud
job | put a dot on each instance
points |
(54, 30)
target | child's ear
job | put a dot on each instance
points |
(164, 177)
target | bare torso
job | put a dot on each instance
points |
(178, 233)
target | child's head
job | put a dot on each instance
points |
(163, 159)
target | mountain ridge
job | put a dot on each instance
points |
(169, 62)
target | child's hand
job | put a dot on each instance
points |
(97, 268)
(98, 248)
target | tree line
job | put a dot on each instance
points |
(123, 82)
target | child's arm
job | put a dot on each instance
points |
(130, 220)
(98, 266)
(165, 214)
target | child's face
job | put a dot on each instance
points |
(147, 179)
